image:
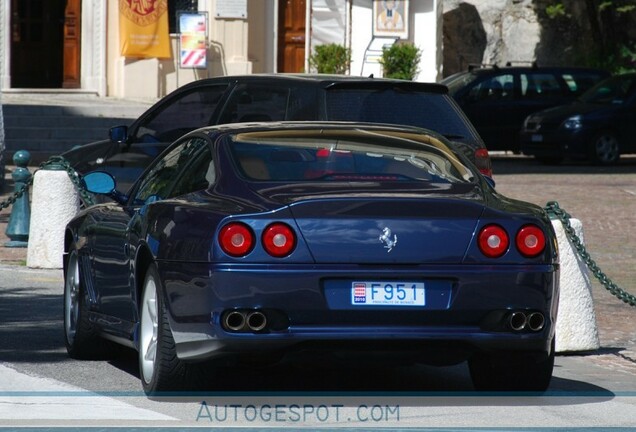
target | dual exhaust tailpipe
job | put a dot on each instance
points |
(244, 321)
(533, 321)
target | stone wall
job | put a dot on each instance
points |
(500, 31)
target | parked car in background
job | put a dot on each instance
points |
(251, 241)
(599, 126)
(498, 99)
(274, 97)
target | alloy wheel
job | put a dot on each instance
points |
(72, 298)
(606, 149)
(149, 330)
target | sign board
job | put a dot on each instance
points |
(391, 18)
(231, 9)
(193, 36)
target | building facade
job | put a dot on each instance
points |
(73, 45)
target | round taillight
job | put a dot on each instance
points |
(236, 239)
(530, 241)
(279, 240)
(493, 241)
(483, 162)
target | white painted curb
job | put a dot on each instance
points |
(54, 203)
(576, 328)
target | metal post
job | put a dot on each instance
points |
(19, 221)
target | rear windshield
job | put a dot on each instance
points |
(426, 110)
(324, 156)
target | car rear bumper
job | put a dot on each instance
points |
(555, 144)
(300, 315)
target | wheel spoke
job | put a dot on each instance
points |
(151, 350)
(149, 330)
(607, 149)
(72, 298)
(152, 311)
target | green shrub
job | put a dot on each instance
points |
(331, 59)
(401, 61)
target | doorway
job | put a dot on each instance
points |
(291, 35)
(45, 40)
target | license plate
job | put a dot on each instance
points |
(388, 294)
(537, 138)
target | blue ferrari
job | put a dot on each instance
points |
(266, 239)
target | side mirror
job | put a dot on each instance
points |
(99, 182)
(118, 134)
(490, 181)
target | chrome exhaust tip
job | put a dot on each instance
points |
(536, 321)
(518, 321)
(256, 321)
(234, 321)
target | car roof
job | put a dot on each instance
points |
(494, 70)
(326, 81)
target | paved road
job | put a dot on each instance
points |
(40, 385)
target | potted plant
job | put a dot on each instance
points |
(331, 59)
(401, 61)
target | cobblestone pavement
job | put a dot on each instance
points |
(604, 199)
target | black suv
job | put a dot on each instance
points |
(272, 97)
(498, 99)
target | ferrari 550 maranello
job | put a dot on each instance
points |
(257, 240)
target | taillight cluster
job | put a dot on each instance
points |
(279, 240)
(483, 162)
(238, 239)
(493, 241)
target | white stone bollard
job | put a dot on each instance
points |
(576, 328)
(54, 202)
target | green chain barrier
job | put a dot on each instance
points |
(11, 200)
(552, 209)
(57, 162)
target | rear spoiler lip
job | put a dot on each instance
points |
(387, 85)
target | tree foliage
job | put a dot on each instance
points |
(613, 50)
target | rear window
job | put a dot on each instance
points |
(181, 114)
(426, 110)
(258, 102)
(326, 156)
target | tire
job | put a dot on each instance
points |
(81, 338)
(517, 371)
(604, 149)
(160, 369)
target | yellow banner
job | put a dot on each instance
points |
(143, 28)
